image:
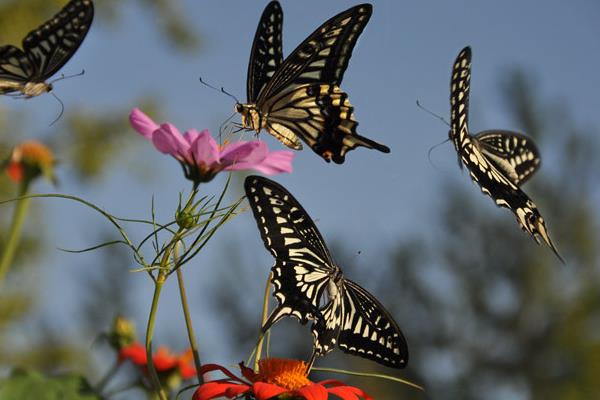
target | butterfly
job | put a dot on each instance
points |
(300, 98)
(45, 50)
(305, 275)
(498, 161)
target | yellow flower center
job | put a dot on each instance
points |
(288, 374)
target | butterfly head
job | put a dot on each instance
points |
(251, 119)
(32, 89)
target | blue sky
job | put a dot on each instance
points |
(371, 201)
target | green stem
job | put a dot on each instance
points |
(265, 312)
(189, 325)
(14, 233)
(150, 331)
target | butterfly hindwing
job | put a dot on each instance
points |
(304, 277)
(14, 67)
(51, 45)
(267, 50)
(515, 155)
(322, 116)
(302, 262)
(481, 155)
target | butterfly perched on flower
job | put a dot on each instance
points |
(498, 161)
(45, 50)
(305, 275)
(300, 98)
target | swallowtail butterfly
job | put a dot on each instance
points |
(498, 161)
(305, 274)
(300, 97)
(45, 50)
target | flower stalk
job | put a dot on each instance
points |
(16, 226)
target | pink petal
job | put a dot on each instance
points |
(167, 139)
(249, 152)
(213, 390)
(264, 391)
(313, 392)
(274, 163)
(191, 135)
(142, 123)
(205, 150)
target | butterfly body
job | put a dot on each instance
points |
(310, 286)
(45, 50)
(300, 98)
(498, 161)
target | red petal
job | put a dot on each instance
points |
(15, 171)
(315, 391)
(349, 393)
(134, 352)
(236, 390)
(212, 390)
(264, 391)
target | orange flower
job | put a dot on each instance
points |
(29, 160)
(164, 361)
(275, 377)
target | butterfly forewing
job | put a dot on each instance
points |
(368, 330)
(515, 155)
(51, 45)
(302, 262)
(267, 50)
(494, 174)
(322, 57)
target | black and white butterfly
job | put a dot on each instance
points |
(45, 50)
(498, 161)
(300, 98)
(310, 286)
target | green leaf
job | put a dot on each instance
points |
(33, 385)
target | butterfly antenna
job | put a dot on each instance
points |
(62, 108)
(62, 76)
(230, 95)
(432, 113)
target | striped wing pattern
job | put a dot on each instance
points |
(267, 50)
(47, 48)
(475, 152)
(322, 116)
(515, 155)
(351, 317)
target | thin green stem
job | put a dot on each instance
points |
(14, 234)
(150, 332)
(188, 320)
(370, 375)
(265, 315)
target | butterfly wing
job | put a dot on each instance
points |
(515, 155)
(322, 116)
(15, 68)
(303, 264)
(267, 50)
(483, 172)
(322, 57)
(51, 45)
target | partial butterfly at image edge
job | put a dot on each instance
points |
(352, 318)
(498, 161)
(46, 49)
(299, 97)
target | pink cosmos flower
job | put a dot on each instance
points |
(200, 155)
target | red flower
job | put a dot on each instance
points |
(275, 377)
(29, 160)
(164, 361)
